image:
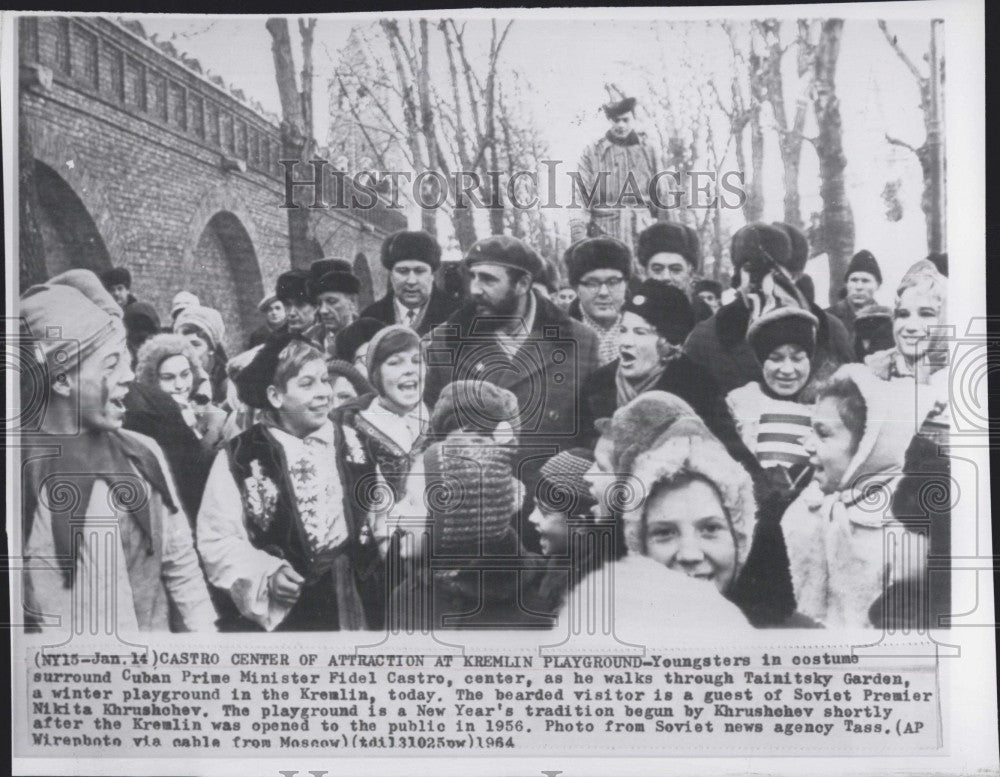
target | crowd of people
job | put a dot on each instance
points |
(469, 455)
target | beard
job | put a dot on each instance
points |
(493, 313)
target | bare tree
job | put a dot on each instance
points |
(929, 153)
(834, 234)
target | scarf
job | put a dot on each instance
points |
(67, 467)
(632, 139)
(627, 390)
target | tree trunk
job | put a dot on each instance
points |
(31, 248)
(306, 29)
(837, 219)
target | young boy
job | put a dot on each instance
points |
(278, 528)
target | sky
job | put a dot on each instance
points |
(566, 62)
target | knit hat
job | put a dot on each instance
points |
(354, 335)
(679, 454)
(338, 281)
(670, 237)
(471, 495)
(636, 426)
(386, 342)
(506, 251)
(265, 303)
(252, 381)
(116, 276)
(183, 299)
(158, 349)
(706, 284)
(404, 246)
(292, 286)
(341, 369)
(561, 486)
(473, 405)
(615, 109)
(800, 247)
(761, 243)
(207, 320)
(665, 307)
(140, 321)
(864, 261)
(597, 253)
(71, 316)
(783, 326)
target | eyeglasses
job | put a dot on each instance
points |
(612, 284)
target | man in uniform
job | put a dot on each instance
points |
(618, 203)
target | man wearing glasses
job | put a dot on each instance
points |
(599, 269)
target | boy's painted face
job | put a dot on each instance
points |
(304, 402)
(830, 445)
(786, 370)
(687, 530)
(916, 311)
(102, 381)
(402, 378)
(552, 530)
(176, 378)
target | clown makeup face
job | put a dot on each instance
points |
(176, 378)
(687, 530)
(102, 381)
(621, 125)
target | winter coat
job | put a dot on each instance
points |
(683, 378)
(844, 312)
(439, 307)
(754, 410)
(558, 355)
(719, 344)
(838, 545)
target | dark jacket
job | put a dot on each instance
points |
(439, 308)
(155, 414)
(258, 336)
(558, 356)
(719, 344)
(843, 312)
(683, 378)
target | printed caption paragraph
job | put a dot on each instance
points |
(264, 704)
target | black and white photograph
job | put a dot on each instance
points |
(565, 385)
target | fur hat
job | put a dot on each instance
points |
(619, 108)
(321, 267)
(158, 349)
(665, 307)
(561, 486)
(471, 496)
(800, 247)
(116, 276)
(670, 237)
(354, 335)
(473, 405)
(385, 343)
(506, 251)
(292, 286)
(864, 261)
(412, 247)
(783, 326)
(870, 318)
(763, 243)
(706, 284)
(597, 253)
(679, 454)
(337, 280)
(636, 426)
(207, 320)
(252, 381)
